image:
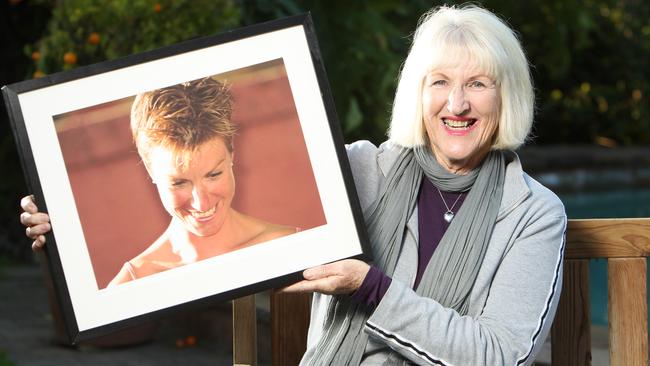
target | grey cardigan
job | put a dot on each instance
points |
(513, 301)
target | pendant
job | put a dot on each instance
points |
(448, 216)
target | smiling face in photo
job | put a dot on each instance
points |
(460, 106)
(195, 187)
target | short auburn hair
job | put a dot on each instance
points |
(182, 117)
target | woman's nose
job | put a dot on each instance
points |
(457, 102)
(200, 200)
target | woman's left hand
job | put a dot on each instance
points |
(342, 277)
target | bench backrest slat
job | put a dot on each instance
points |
(571, 333)
(625, 243)
(628, 311)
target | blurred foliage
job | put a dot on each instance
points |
(588, 60)
(588, 57)
(20, 24)
(590, 68)
(363, 44)
(4, 359)
(82, 32)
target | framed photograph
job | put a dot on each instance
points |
(187, 175)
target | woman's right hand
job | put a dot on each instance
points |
(37, 223)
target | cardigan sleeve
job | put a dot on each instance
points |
(372, 289)
(516, 317)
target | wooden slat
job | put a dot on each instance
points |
(628, 311)
(608, 238)
(570, 334)
(244, 331)
(289, 325)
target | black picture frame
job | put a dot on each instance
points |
(36, 108)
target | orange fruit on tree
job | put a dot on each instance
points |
(157, 7)
(190, 341)
(36, 55)
(94, 38)
(70, 58)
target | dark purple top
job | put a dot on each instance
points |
(431, 227)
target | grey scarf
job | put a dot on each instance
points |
(453, 268)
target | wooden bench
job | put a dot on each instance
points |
(625, 243)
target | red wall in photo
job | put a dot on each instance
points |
(118, 205)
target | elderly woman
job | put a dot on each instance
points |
(467, 247)
(184, 134)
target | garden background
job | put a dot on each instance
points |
(589, 63)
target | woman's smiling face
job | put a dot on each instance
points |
(460, 108)
(196, 187)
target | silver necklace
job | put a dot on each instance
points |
(449, 215)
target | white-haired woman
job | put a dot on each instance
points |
(468, 248)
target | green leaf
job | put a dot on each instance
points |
(354, 117)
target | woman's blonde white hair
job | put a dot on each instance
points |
(448, 37)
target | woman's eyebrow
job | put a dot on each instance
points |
(172, 178)
(476, 76)
(216, 165)
(437, 73)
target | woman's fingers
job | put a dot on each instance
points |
(322, 271)
(31, 219)
(28, 205)
(325, 285)
(342, 268)
(302, 286)
(38, 243)
(37, 223)
(342, 277)
(34, 231)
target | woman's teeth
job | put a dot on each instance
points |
(203, 214)
(465, 124)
